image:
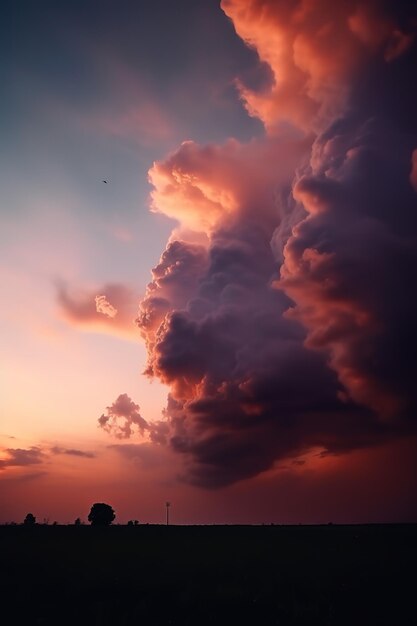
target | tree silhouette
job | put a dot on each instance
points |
(30, 520)
(101, 514)
(77, 522)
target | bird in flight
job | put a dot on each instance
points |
(104, 181)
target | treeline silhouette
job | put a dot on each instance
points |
(100, 514)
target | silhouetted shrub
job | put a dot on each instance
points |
(30, 520)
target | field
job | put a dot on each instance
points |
(198, 575)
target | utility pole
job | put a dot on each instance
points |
(167, 505)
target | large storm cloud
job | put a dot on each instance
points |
(280, 313)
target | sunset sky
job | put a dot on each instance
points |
(228, 322)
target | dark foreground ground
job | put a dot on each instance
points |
(234, 575)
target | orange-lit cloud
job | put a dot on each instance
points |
(338, 265)
(314, 48)
(104, 307)
(112, 311)
(202, 187)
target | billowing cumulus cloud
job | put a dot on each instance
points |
(315, 50)
(204, 186)
(349, 264)
(279, 313)
(122, 418)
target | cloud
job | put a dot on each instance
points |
(146, 455)
(316, 50)
(36, 455)
(104, 307)
(21, 457)
(245, 391)
(282, 325)
(279, 313)
(203, 186)
(113, 311)
(73, 452)
(349, 262)
(122, 417)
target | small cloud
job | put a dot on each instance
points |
(104, 307)
(73, 452)
(121, 417)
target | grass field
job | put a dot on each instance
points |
(198, 575)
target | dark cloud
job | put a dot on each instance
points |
(73, 452)
(21, 457)
(122, 417)
(350, 264)
(280, 314)
(146, 455)
(245, 391)
(35, 455)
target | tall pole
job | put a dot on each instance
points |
(167, 504)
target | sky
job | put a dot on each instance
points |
(208, 248)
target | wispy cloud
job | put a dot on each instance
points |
(112, 311)
(73, 452)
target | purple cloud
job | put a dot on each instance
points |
(122, 417)
(73, 452)
(21, 457)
